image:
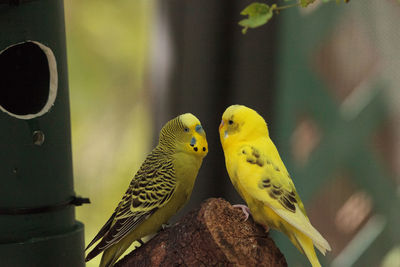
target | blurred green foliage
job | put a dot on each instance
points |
(107, 46)
(260, 13)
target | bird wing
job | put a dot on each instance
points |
(150, 189)
(102, 231)
(266, 179)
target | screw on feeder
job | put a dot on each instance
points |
(38, 138)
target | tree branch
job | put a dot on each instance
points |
(214, 235)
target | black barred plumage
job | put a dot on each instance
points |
(152, 187)
(287, 198)
(156, 173)
(169, 133)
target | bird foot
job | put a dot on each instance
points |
(244, 209)
(165, 226)
(141, 243)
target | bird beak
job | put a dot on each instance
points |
(220, 130)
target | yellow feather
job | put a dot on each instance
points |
(259, 175)
(162, 185)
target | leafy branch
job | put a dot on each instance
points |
(260, 13)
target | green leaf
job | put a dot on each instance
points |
(258, 13)
(305, 3)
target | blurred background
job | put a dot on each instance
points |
(326, 79)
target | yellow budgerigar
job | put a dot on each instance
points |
(162, 185)
(259, 175)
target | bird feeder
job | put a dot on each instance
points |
(37, 213)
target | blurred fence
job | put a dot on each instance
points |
(338, 124)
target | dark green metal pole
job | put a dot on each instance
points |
(37, 214)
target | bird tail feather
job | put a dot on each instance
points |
(301, 223)
(307, 246)
(112, 254)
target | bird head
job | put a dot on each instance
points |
(185, 134)
(240, 123)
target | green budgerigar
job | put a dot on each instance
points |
(162, 185)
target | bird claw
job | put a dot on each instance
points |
(165, 226)
(141, 243)
(244, 209)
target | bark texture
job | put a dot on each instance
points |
(214, 235)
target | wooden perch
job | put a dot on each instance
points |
(214, 235)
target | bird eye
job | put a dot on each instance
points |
(230, 122)
(186, 129)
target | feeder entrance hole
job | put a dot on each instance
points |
(28, 80)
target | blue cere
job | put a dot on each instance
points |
(193, 141)
(199, 129)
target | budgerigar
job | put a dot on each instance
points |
(259, 175)
(162, 185)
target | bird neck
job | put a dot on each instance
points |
(166, 149)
